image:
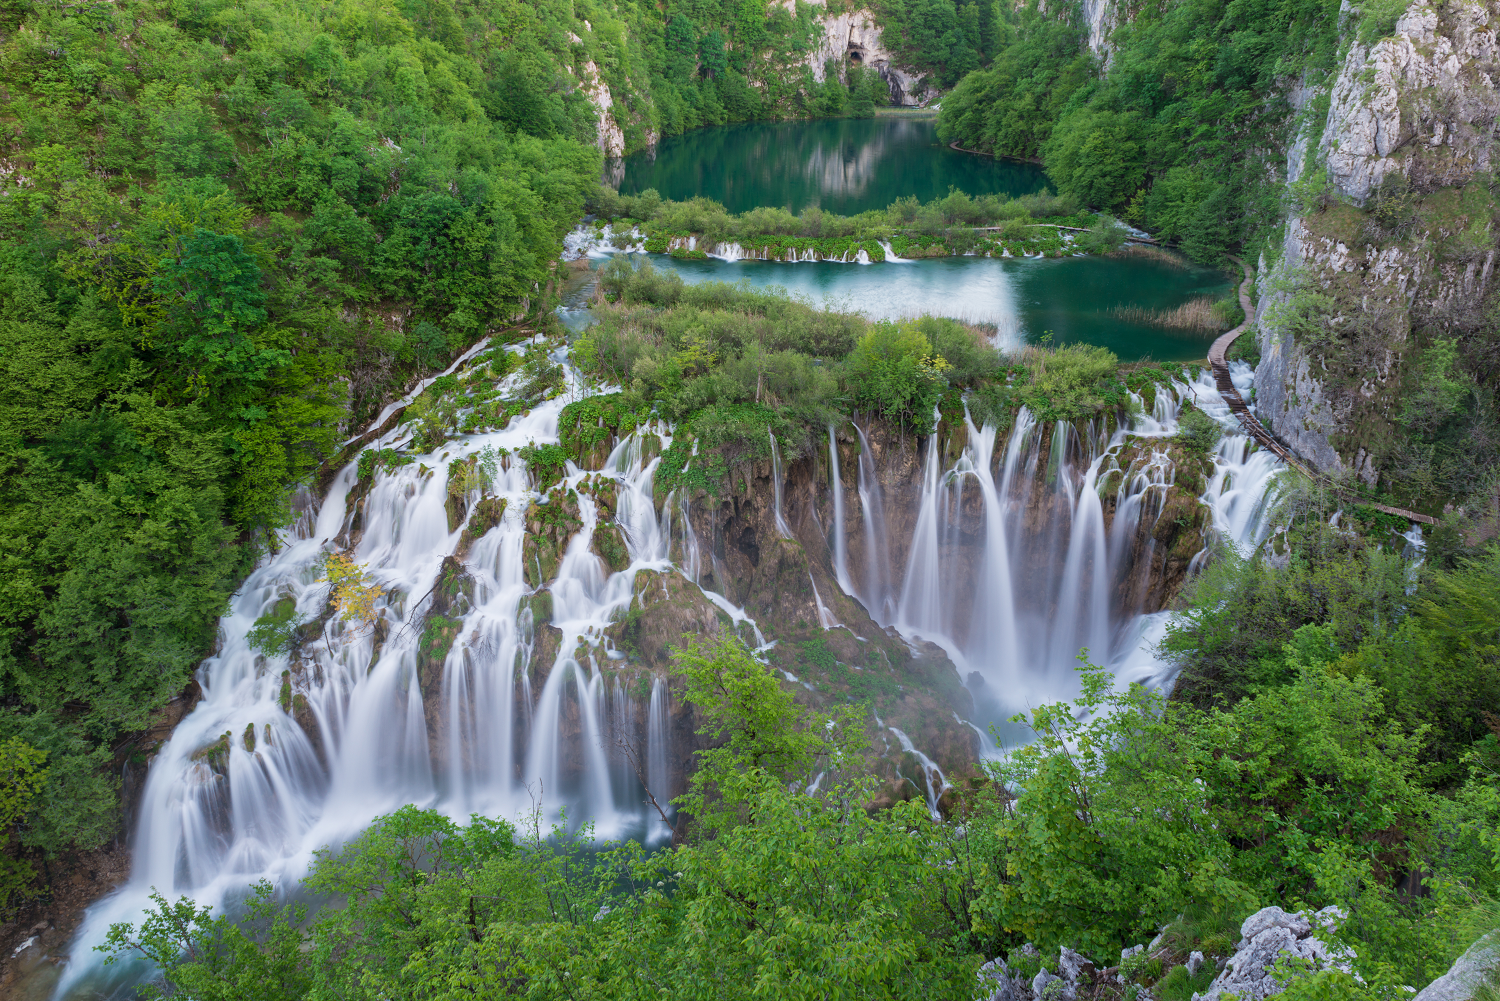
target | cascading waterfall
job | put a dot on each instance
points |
(1049, 580)
(777, 478)
(657, 741)
(840, 541)
(877, 546)
(255, 780)
(826, 617)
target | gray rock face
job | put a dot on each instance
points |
(996, 982)
(1194, 963)
(1265, 935)
(1274, 917)
(1421, 103)
(1101, 16)
(1073, 965)
(854, 36)
(1469, 971)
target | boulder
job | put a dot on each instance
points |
(1479, 963)
(997, 984)
(1074, 966)
(1264, 936)
(1041, 981)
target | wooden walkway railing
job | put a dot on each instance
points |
(1255, 429)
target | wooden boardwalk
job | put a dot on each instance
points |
(1255, 429)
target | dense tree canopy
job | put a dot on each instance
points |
(1177, 134)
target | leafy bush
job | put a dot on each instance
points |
(586, 423)
(274, 633)
(547, 463)
(22, 777)
(894, 372)
(969, 351)
(1242, 611)
(1198, 432)
(1072, 383)
(1106, 237)
(352, 591)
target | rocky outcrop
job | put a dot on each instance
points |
(611, 117)
(1101, 17)
(854, 38)
(1264, 937)
(1398, 248)
(1479, 965)
(999, 981)
(610, 138)
(1421, 104)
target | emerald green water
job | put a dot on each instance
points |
(851, 165)
(842, 165)
(1070, 298)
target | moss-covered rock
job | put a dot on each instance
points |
(460, 479)
(550, 524)
(488, 512)
(609, 545)
(216, 754)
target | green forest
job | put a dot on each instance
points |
(1179, 135)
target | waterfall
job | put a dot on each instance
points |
(776, 478)
(825, 616)
(995, 631)
(445, 701)
(921, 606)
(877, 551)
(476, 690)
(932, 775)
(840, 543)
(658, 745)
(1052, 575)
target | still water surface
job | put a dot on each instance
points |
(1070, 298)
(852, 165)
(843, 165)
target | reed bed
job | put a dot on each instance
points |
(1195, 314)
(1158, 254)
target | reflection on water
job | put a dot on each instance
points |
(842, 165)
(1070, 298)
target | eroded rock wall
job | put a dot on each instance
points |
(855, 38)
(1392, 242)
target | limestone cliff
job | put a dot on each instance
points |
(1101, 18)
(613, 118)
(1391, 243)
(855, 38)
(847, 38)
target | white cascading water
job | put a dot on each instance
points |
(242, 792)
(1042, 592)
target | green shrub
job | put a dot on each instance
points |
(1197, 431)
(1072, 383)
(274, 633)
(546, 463)
(1105, 237)
(894, 372)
